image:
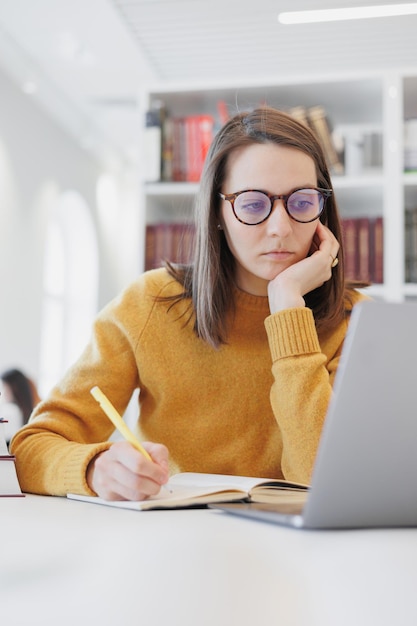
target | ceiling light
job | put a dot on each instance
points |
(352, 13)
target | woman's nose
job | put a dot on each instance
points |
(279, 222)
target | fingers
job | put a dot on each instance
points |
(123, 473)
(288, 288)
(159, 454)
(325, 241)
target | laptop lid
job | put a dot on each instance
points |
(365, 474)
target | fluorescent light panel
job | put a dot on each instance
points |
(353, 13)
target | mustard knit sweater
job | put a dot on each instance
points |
(253, 407)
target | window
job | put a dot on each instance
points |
(70, 287)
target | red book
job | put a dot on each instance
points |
(206, 123)
(364, 266)
(377, 250)
(350, 244)
(150, 247)
(193, 170)
(177, 169)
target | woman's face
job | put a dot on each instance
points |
(265, 250)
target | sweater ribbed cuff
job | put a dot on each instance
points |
(292, 332)
(75, 472)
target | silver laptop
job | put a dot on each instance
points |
(365, 474)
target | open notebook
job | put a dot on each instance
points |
(365, 473)
(190, 489)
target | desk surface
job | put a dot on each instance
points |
(68, 562)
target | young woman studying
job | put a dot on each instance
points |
(234, 355)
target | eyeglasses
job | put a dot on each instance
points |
(253, 206)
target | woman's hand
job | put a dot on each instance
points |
(123, 473)
(288, 289)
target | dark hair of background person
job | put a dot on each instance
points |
(24, 392)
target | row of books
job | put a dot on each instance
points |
(363, 247)
(362, 238)
(410, 243)
(176, 147)
(168, 242)
(317, 119)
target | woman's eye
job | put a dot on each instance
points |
(301, 204)
(253, 207)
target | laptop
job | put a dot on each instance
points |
(365, 473)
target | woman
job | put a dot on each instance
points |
(18, 398)
(234, 355)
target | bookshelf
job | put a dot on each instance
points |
(359, 107)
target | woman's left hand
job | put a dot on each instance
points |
(288, 289)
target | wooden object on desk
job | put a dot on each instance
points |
(9, 483)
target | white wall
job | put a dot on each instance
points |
(37, 162)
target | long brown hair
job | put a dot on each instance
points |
(209, 279)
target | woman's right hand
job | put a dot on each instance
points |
(123, 473)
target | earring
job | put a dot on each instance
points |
(219, 227)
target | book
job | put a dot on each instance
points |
(168, 241)
(190, 489)
(300, 113)
(319, 123)
(377, 250)
(153, 145)
(9, 483)
(350, 241)
(363, 241)
(364, 252)
(410, 239)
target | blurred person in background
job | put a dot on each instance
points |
(18, 398)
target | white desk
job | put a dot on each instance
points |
(66, 562)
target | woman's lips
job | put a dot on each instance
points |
(279, 255)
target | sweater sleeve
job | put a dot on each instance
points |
(68, 429)
(302, 385)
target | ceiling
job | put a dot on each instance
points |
(86, 61)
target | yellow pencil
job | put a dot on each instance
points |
(114, 417)
(121, 426)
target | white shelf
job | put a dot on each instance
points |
(364, 102)
(410, 179)
(339, 182)
(171, 189)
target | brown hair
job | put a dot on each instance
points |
(209, 280)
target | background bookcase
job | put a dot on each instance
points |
(357, 106)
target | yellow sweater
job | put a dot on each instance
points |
(254, 407)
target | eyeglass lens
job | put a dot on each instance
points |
(303, 205)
